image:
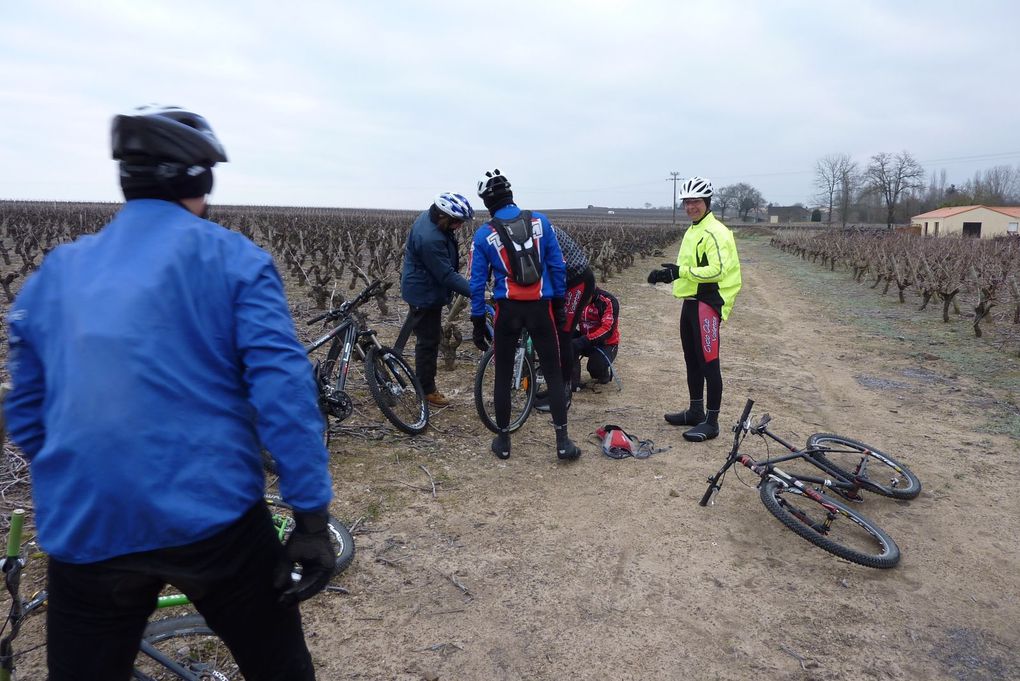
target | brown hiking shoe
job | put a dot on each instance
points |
(437, 399)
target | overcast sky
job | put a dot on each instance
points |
(384, 104)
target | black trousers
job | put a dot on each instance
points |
(537, 317)
(97, 611)
(600, 360)
(426, 323)
(699, 337)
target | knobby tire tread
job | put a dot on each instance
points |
(887, 557)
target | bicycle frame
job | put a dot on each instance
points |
(347, 333)
(768, 467)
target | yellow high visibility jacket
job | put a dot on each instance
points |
(709, 266)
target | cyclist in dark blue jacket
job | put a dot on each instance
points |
(150, 363)
(428, 281)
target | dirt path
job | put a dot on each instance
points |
(531, 569)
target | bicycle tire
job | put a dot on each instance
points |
(522, 392)
(189, 642)
(873, 547)
(343, 542)
(396, 390)
(903, 484)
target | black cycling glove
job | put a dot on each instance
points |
(667, 274)
(310, 547)
(559, 312)
(582, 344)
(479, 334)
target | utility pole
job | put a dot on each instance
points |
(675, 177)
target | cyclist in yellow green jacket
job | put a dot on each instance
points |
(707, 277)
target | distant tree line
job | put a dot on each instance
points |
(892, 187)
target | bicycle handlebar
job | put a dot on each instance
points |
(715, 482)
(349, 305)
(747, 412)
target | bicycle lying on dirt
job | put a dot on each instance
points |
(392, 383)
(181, 647)
(798, 500)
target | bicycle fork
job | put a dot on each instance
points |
(797, 487)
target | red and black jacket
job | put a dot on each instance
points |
(600, 320)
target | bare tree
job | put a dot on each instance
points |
(745, 198)
(722, 200)
(995, 185)
(849, 184)
(830, 175)
(890, 176)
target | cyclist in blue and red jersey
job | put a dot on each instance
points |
(151, 362)
(537, 305)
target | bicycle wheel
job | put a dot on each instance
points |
(830, 525)
(343, 542)
(865, 465)
(183, 648)
(396, 390)
(522, 390)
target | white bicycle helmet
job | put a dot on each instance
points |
(454, 205)
(492, 184)
(696, 188)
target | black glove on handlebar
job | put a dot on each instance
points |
(479, 334)
(310, 547)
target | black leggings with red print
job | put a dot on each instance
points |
(699, 336)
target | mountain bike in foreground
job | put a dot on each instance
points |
(181, 647)
(798, 500)
(392, 383)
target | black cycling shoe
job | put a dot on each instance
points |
(501, 446)
(684, 418)
(701, 432)
(568, 451)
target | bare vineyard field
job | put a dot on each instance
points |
(473, 568)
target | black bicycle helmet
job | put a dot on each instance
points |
(165, 133)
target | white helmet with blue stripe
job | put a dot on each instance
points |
(454, 205)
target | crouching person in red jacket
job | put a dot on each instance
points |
(597, 338)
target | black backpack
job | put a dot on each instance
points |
(521, 247)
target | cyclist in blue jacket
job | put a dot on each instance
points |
(150, 364)
(429, 279)
(537, 306)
